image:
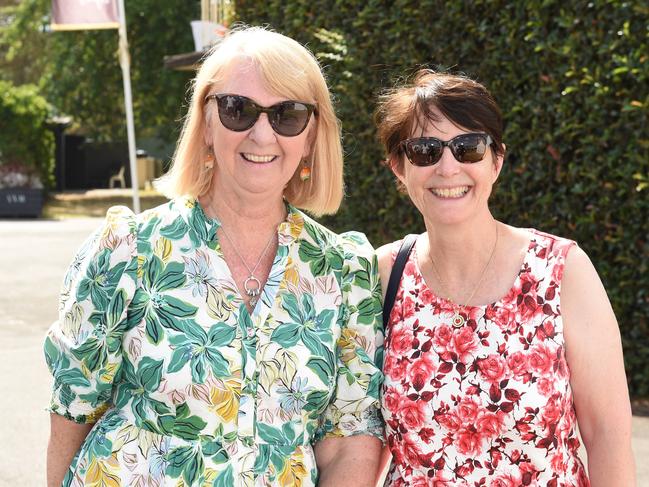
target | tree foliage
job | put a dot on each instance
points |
(79, 73)
(572, 81)
(26, 140)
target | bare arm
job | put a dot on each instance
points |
(594, 354)
(384, 256)
(352, 461)
(65, 439)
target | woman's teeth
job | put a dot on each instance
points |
(450, 192)
(256, 158)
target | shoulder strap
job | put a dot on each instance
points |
(395, 275)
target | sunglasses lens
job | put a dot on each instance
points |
(470, 147)
(423, 152)
(237, 113)
(290, 118)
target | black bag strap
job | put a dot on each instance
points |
(395, 275)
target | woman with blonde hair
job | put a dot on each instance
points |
(226, 338)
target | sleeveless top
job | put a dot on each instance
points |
(489, 403)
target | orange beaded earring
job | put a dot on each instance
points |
(305, 172)
(209, 160)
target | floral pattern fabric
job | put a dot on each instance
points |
(188, 388)
(489, 403)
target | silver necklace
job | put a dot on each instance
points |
(458, 320)
(252, 285)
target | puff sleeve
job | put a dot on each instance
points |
(83, 348)
(355, 409)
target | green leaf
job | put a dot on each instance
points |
(185, 461)
(368, 310)
(314, 256)
(176, 230)
(218, 363)
(286, 335)
(173, 310)
(292, 307)
(225, 478)
(313, 342)
(172, 277)
(221, 334)
(149, 373)
(317, 401)
(199, 368)
(189, 428)
(271, 435)
(179, 358)
(154, 331)
(322, 369)
(72, 377)
(261, 461)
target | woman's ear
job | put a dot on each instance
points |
(310, 140)
(206, 133)
(207, 124)
(397, 167)
(499, 162)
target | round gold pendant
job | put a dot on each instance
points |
(458, 320)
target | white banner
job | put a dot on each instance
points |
(84, 14)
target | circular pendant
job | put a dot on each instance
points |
(458, 320)
(253, 291)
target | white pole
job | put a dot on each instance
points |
(125, 63)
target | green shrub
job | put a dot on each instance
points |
(572, 81)
(24, 137)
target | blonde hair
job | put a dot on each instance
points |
(288, 70)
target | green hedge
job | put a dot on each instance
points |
(24, 136)
(572, 81)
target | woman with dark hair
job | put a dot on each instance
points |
(501, 340)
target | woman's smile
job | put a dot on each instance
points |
(257, 158)
(454, 192)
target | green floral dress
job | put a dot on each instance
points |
(187, 388)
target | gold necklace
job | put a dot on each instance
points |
(458, 320)
(251, 285)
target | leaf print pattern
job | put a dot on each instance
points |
(489, 403)
(188, 388)
(201, 350)
(159, 309)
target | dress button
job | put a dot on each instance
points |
(251, 332)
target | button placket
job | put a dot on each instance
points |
(247, 406)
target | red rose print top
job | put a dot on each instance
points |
(490, 403)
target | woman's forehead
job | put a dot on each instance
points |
(243, 76)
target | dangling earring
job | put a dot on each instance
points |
(305, 172)
(209, 160)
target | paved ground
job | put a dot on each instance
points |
(33, 257)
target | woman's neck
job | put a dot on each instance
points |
(244, 214)
(461, 249)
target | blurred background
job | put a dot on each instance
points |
(572, 79)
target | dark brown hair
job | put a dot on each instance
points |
(463, 101)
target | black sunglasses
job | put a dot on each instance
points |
(239, 113)
(466, 148)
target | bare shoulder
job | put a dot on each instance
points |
(584, 303)
(579, 271)
(384, 253)
(384, 256)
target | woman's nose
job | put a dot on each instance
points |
(448, 165)
(262, 132)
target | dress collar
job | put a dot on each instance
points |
(205, 227)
